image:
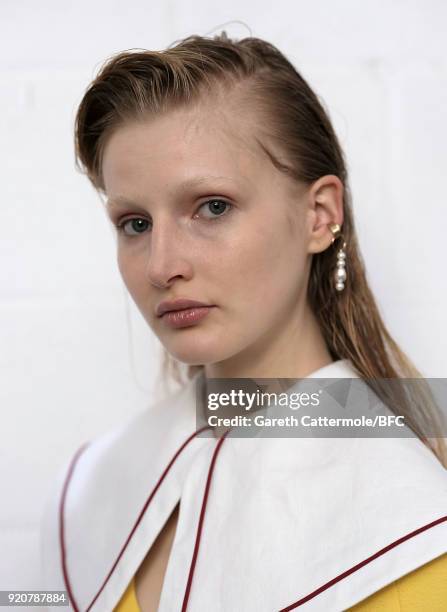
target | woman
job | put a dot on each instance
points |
(228, 187)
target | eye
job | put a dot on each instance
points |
(216, 207)
(136, 223)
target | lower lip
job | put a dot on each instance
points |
(187, 317)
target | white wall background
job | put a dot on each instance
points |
(68, 367)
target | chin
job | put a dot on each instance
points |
(194, 356)
(198, 351)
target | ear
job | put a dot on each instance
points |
(325, 207)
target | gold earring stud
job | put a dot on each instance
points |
(335, 229)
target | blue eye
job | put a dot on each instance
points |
(216, 210)
(217, 207)
(120, 226)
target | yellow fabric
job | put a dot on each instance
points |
(423, 590)
(128, 602)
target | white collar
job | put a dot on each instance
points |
(283, 517)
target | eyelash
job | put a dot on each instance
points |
(121, 224)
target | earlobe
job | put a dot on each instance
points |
(323, 240)
(326, 235)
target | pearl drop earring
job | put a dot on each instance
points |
(340, 272)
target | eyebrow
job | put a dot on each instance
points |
(188, 183)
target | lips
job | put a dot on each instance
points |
(178, 304)
(187, 317)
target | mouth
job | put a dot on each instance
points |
(186, 317)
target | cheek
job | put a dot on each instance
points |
(265, 260)
(132, 272)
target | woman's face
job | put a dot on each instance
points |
(213, 221)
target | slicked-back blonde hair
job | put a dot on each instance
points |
(138, 84)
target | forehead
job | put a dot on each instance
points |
(182, 144)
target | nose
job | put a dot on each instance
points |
(168, 255)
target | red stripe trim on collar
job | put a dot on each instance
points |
(62, 525)
(137, 522)
(199, 532)
(353, 569)
(200, 525)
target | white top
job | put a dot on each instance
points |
(265, 524)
